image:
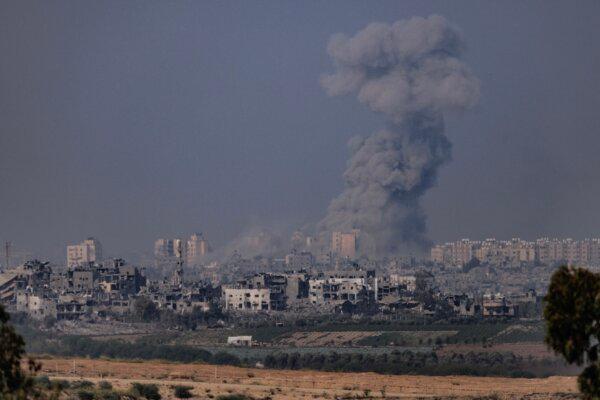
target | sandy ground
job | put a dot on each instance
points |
(210, 380)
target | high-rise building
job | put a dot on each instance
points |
(544, 251)
(196, 248)
(90, 250)
(191, 251)
(163, 248)
(169, 248)
(343, 244)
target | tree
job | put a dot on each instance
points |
(572, 314)
(15, 383)
(183, 392)
(145, 309)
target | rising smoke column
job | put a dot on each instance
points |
(410, 72)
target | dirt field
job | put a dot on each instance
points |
(210, 381)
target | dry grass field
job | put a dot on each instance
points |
(209, 381)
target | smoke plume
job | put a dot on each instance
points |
(410, 72)
(254, 241)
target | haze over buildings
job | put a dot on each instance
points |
(132, 122)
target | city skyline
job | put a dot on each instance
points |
(145, 122)
(279, 199)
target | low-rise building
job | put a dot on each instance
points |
(245, 299)
(245, 341)
(497, 305)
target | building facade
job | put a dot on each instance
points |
(344, 244)
(88, 251)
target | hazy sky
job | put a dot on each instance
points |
(136, 120)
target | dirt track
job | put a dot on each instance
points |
(210, 380)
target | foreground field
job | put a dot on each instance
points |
(209, 381)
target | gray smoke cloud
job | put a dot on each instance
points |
(254, 241)
(410, 72)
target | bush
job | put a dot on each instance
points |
(234, 397)
(109, 395)
(82, 384)
(104, 385)
(85, 395)
(183, 392)
(42, 382)
(149, 391)
(61, 384)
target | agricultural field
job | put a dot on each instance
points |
(394, 335)
(364, 338)
(496, 348)
(211, 382)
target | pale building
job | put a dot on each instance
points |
(196, 249)
(239, 341)
(246, 299)
(497, 306)
(337, 290)
(36, 305)
(169, 248)
(90, 250)
(163, 248)
(440, 254)
(344, 244)
(462, 252)
(544, 251)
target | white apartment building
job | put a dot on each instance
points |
(196, 248)
(544, 250)
(191, 250)
(163, 248)
(90, 250)
(243, 299)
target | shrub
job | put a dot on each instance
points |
(61, 384)
(234, 396)
(109, 395)
(85, 395)
(149, 391)
(183, 392)
(42, 382)
(104, 385)
(82, 384)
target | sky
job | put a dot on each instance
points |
(135, 120)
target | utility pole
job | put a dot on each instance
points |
(7, 254)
